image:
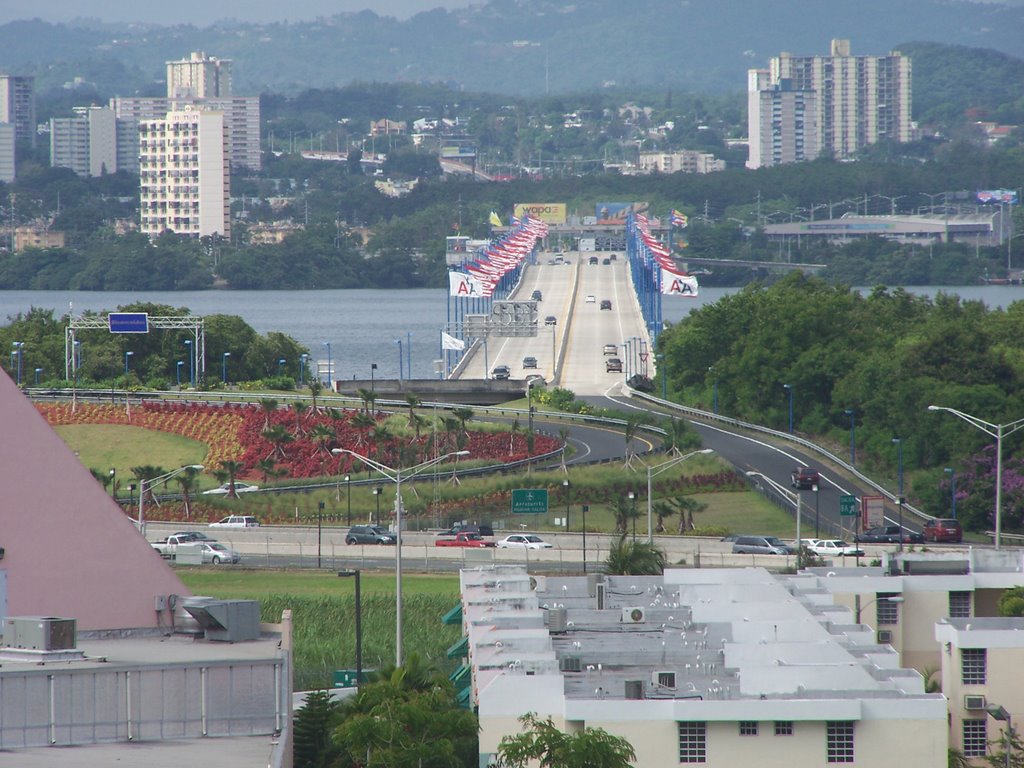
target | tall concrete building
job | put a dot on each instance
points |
(18, 106)
(860, 100)
(783, 122)
(184, 174)
(93, 142)
(7, 167)
(199, 76)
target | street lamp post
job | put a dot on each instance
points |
(127, 358)
(899, 473)
(319, 530)
(302, 369)
(359, 624)
(113, 482)
(224, 367)
(952, 490)
(191, 364)
(177, 372)
(789, 388)
(376, 494)
(348, 488)
(280, 364)
(150, 483)
(397, 475)
(657, 469)
(330, 366)
(999, 713)
(998, 431)
(400, 368)
(817, 519)
(18, 348)
(408, 352)
(38, 371)
(584, 508)
(632, 502)
(373, 371)
(853, 435)
(566, 485)
(857, 607)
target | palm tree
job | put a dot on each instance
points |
(369, 397)
(315, 388)
(188, 480)
(680, 436)
(687, 506)
(269, 405)
(144, 473)
(563, 435)
(322, 435)
(418, 422)
(300, 409)
(412, 401)
(362, 422)
(662, 509)
(634, 558)
(277, 436)
(451, 427)
(632, 426)
(463, 415)
(623, 510)
(232, 468)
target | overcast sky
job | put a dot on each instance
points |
(204, 12)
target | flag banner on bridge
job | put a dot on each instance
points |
(678, 219)
(673, 284)
(452, 343)
(461, 284)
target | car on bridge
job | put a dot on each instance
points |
(501, 372)
(804, 478)
(590, 298)
(592, 260)
(537, 295)
(606, 262)
(529, 362)
(523, 541)
(832, 548)
(944, 529)
(550, 320)
(610, 349)
(606, 303)
(613, 365)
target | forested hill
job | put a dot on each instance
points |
(508, 46)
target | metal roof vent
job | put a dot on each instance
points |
(229, 621)
(558, 621)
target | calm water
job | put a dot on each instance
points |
(362, 326)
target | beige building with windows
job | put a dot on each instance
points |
(722, 667)
(686, 161)
(184, 177)
(199, 76)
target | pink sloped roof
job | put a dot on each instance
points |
(70, 550)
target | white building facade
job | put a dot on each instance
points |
(184, 174)
(18, 106)
(199, 76)
(782, 122)
(7, 166)
(92, 143)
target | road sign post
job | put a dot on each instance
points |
(529, 501)
(847, 506)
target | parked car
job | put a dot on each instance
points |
(482, 528)
(590, 298)
(612, 256)
(537, 296)
(606, 262)
(613, 365)
(473, 540)
(592, 260)
(805, 477)
(523, 541)
(611, 349)
(529, 361)
(889, 534)
(832, 548)
(550, 320)
(240, 487)
(760, 545)
(216, 553)
(369, 534)
(606, 303)
(944, 529)
(237, 521)
(501, 372)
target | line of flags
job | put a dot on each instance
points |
(678, 219)
(673, 281)
(493, 262)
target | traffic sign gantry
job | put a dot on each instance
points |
(848, 506)
(530, 501)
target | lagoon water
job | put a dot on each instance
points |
(362, 326)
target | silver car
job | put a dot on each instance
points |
(216, 553)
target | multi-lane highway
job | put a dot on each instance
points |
(572, 294)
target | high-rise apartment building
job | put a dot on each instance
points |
(199, 76)
(93, 142)
(782, 122)
(859, 100)
(184, 174)
(18, 106)
(7, 166)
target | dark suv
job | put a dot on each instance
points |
(369, 534)
(948, 530)
(805, 477)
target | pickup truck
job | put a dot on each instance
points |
(465, 540)
(169, 546)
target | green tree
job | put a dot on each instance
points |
(1011, 602)
(232, 468)
(543, 744)
(314, 722)
(188, 481)
(634, 558)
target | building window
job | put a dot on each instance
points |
(783, 727)
(972, 666)
(748, 728)
(975, 738)
(840, 741)
(886, 611)
(959, 605)
(693, 745)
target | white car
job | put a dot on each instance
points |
(523, 541)
(237, 521)
(240, 487)
(590, 298)
(831, 548)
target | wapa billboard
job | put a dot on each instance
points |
(549, 213)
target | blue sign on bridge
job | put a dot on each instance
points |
(128, 322)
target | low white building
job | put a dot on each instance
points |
(722, 667)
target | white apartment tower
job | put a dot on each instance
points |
(88, 142)
(184, 175)
(18, 106)
(199, 77)
(860, 100)
(782, 122)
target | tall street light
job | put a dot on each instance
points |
(191, 363)
(348, 488)
(400, 369)
(397, 475)
(656, 470)
(373, 373)
(177, 371)
(998, 431)
(280, 364)
(898, 441)
(224, 367)
(127, 358)
(302, 369)
(853, 435)
(113, 482)
(789, 388)
(999, 713)
(148, 484)
(857, 607)
(952, 490)
(359, 624)
(38, 371)
(632, 504)
(330, 367)
(567, 486)
(18, 348)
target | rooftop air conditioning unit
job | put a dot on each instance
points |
(974, 703)
(635, 615)
(634, 689)
(570, 664)
(663, 678)
(884, 636)
(230, 621)
(558, 621)
(40, 633)
(602, 595)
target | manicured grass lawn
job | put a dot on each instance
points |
(238, 583)
(105, 446)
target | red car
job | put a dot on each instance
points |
(947, 530)
(804, 477)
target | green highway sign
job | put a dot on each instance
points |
(848, 506)
(530, 501)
